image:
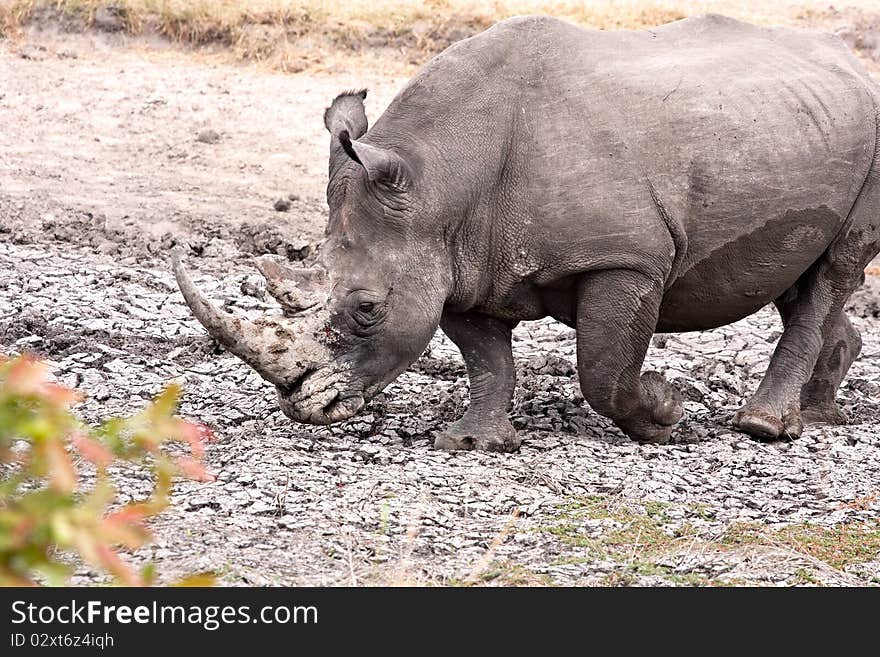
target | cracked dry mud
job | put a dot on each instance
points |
(102, 171)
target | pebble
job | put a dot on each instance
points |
(208, 136)
(34, 52)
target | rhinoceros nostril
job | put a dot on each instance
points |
(343, 405)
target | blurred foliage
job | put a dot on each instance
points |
(47, 516)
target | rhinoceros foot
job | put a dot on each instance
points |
(824, 415)
(488, 436)
(764, 422)
(661, 409)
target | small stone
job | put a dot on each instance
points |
(33, 52)
(109, 18)
(260, 508)
(208, 136)
(95, 325)
(117, 366)
(107, 247)
(253, 286)
(282, 205)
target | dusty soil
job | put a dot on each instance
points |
(109, 157)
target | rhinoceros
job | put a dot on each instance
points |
(623, 183)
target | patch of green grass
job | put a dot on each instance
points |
(840, 546)
(701, 511)
(630, 574)
(506, 573)
(843, 545)
(631, 535)
(804, 576)
(741, 533)
(656, 509)
(638, 538)
(570, 534)
(630, 530)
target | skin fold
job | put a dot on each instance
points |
(624, 183)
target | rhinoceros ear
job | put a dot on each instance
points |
(382, 165)
(346, 113)
(347, 122)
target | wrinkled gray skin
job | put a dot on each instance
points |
(674, 179)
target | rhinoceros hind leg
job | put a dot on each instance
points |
(818, 344)
(817, 405)
(484, 343)
(842, 345)
(616, 316)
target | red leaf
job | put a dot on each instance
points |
(61, 473)
(110, 560)
(28, 376)
(93, 450)
(60, 395)
(132, 514)
(194, 469)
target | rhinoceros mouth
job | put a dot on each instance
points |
(317, 410)
(321, 397)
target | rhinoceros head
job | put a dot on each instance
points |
(369, 306)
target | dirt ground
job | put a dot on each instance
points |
(110, 157)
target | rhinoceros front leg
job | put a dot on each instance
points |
(617, 313)
(484, 343)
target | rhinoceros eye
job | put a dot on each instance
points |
(367, 310)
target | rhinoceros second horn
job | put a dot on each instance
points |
(266, 346)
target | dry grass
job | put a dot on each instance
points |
(640, 541)
(297, 34)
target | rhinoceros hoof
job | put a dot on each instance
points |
(765, 424)
(647, 433)
(660, 410)
(823, 415)
(664, 403)
(464, 435)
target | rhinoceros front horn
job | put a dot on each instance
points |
(268, 346)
